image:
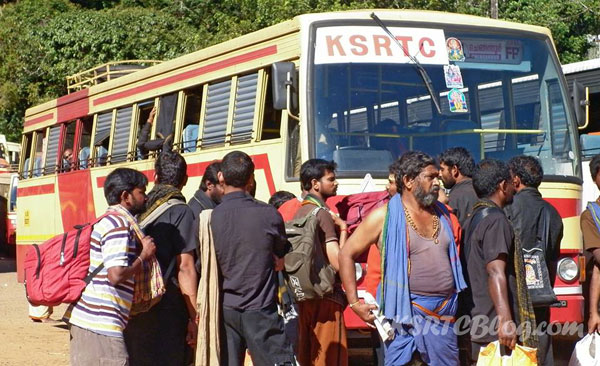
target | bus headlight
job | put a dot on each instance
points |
(568, 270)
(358, 271)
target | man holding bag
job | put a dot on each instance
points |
(98, 318)
(495, 264)
(539, 227)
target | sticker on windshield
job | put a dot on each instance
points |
(453, 76)
(501, 51)
(457, 102)
(455, 49)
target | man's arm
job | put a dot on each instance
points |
(327, 223)
(366, 233)
(498, 289)
(343, 230)
(188, 284)
(594, 321)
(119, 274)
(188, 281)
(332, 250)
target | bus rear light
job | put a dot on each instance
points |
(568, 270)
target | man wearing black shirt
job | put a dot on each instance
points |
(456, 169)
(527, 214)
(161, 335)
(489, 253)
(249, 240)
(209, 195)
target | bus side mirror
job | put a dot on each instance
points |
(285, 86)
(581, 104)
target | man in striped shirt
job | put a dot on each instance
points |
(98, 318)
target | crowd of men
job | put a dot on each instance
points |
(434, 259)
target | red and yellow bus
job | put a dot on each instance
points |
(329, 85)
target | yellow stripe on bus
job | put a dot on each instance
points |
(32, 238)
(572, 234)
(560, 190)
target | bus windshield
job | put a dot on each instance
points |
(501, 95)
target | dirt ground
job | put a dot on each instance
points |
(23, 342)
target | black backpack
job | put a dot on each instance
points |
(307, 271)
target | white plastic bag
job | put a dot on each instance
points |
(587, 351)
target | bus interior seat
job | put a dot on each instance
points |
(470, 141)
(37, 168)
(101, 156)
(83, 157)
(590, 145)
(190, 138)
(362, 159)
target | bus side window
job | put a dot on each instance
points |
(83, 156)
(191, 118)
(294, 158)
(559, 129)
(143, 128)
(40, 148)
(25, 169)
(101, 138)
(165, 120)
(52, 155)
(120, 138)
(162, 125)
(67, 152)
(216, 114)
(245, 107)
(271, 117)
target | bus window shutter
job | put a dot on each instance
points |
(52, 152)
(121, 135)
(102, 134)
(245, 107)
(217, 108)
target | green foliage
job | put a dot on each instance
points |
(569, 21)
(43, 41)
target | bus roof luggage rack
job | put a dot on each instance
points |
(106, 72)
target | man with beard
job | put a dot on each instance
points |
(321, 329)
(210, 192)
(161, 335)
(456, 169)
(96, 321)
(421, 273)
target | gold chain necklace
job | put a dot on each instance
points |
(436, 226)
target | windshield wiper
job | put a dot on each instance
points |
(420, 68)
